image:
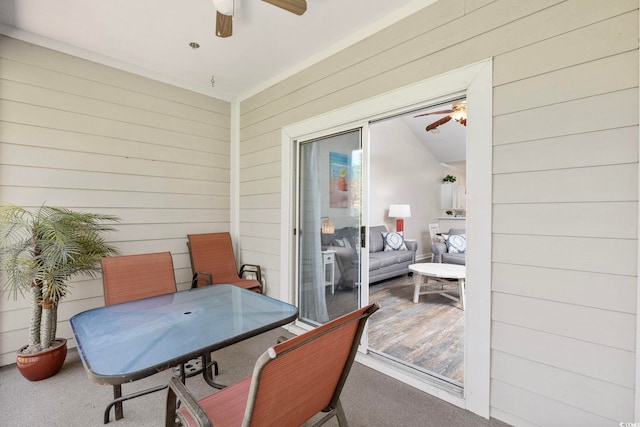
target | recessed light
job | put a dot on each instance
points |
(194, 45)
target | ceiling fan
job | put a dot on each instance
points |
(458, 112)
(224, 12)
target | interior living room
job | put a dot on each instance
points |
(139, 110)
(408, 165)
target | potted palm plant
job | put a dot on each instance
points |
(40, 251)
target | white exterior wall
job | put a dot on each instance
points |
(85, 136)
(565, 184)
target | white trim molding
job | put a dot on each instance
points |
(475, 82)
(637, 378)
(234, 184)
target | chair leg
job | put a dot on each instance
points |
(342, 419)
(119, 399)
(330, 413)
(207, 374)
(170, 409)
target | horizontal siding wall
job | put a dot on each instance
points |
(88, 137)
(565, 184)
(565, 225)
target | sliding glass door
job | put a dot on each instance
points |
(329, 221)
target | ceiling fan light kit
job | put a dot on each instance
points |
(460, 116)
(225, 7)
(225, 11)
(458, 112)
(224, 17)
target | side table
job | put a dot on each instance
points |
(329, 260)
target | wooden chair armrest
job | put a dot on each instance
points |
(201, 276)
(178, 392)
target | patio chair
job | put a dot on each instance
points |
(291, 382)
(131, 277)
(213, 262)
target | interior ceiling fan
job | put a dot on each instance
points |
(224, 12)
(458, 112)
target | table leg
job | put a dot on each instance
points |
(333, 277)
(461, 290)
(117, 394)
(417, 279)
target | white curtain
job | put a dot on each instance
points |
(313, 305)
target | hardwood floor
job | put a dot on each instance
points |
(428, 336)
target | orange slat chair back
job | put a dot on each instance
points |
(131, 277)
(212, 258)
(291, 382)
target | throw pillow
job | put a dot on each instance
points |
(343, 243)
(394, 241)
(456, 243)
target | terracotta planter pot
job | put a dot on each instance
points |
(42, 365)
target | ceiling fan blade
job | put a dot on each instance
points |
(294, 6)
(438, 123)
(224, 25)
(435, 112)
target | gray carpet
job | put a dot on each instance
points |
(69, 399)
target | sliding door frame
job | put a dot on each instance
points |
(475, 82)
(316, 138)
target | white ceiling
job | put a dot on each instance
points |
(151, 38)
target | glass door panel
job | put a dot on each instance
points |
(328, 226)
(424, 332)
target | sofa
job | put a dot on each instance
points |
(382, 264)
(451, 250)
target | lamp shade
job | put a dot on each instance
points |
(399, 211)
(327, 226)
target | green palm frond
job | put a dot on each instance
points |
(49, 246)
(41, 249)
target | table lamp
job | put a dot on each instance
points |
(327, 226)
(399, 212)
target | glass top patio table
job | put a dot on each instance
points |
(125, 342)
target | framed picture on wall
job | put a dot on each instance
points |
(339, 178)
